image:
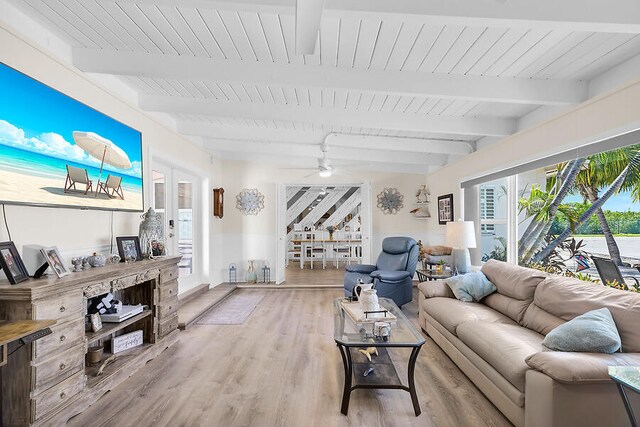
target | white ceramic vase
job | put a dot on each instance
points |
(369, 300)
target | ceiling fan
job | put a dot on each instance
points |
(324, 168)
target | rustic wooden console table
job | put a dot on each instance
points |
(46, 382)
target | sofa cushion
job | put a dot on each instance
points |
(570, 367)
(512, 307)
(487, 377)
(451, 313)
(567, 298)
(512, 280)
(470, 287)
(504, 346)
(594, 332)
(539, 320)
(436, 288)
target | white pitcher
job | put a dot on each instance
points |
(369, 300)
(362, 287)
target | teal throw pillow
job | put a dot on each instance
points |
(593, 332)
(471, 286)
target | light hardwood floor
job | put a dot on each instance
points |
(282, 368)
(330, 276)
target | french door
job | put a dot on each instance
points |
(173, 197)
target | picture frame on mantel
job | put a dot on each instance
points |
(12, 264)
(55, 261)
(445, 209)
(129, 248)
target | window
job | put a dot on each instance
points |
(493, 211)
(487, 209)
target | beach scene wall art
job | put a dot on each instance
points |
(56, 151)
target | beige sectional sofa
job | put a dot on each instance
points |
(497, 343)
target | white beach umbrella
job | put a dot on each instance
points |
(102, 149)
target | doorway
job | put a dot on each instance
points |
(321, 228)
(173, 197)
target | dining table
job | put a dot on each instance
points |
(327, 244)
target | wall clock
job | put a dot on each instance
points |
(390, 201)
(218, 202)
(250, 201)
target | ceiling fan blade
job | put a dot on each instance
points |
(299, 169)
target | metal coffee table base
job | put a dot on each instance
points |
(383, 376)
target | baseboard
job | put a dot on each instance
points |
(193, 292)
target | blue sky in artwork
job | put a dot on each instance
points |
(36, 117)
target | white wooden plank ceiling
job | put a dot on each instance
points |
(450, 71)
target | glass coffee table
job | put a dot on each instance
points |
(351, 337)
(626, 377)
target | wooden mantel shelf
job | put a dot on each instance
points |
(35, 288)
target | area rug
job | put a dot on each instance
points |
(232, 311)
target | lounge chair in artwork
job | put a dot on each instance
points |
(77, 176)
(113, 183)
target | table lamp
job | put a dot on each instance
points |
(461, 236)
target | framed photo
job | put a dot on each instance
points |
(96, 322)
(54, 259)
(445, 209)
(12, 264)
(157, 248)
(129, 248)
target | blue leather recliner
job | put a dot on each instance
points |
(393, 272)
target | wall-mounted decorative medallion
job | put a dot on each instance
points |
(250, 201)
(390, 201)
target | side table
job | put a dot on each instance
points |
(426, 275)
(626, 377)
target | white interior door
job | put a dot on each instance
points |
(174, 198)
(365, 228)
(281, 247)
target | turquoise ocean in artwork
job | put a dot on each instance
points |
(34, 164)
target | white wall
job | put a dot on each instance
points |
(254, 237)
(83, 231)
(594, 120)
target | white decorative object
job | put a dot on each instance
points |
(369, 300)
(422, 195)
(390, 201)
(127, 341)
(151, 230)
(461, 236)
(360, 287)
(250, 201)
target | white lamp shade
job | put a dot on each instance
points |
(460, 234)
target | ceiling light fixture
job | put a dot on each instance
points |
(325, 173)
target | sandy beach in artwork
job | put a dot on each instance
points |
(50, 191)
